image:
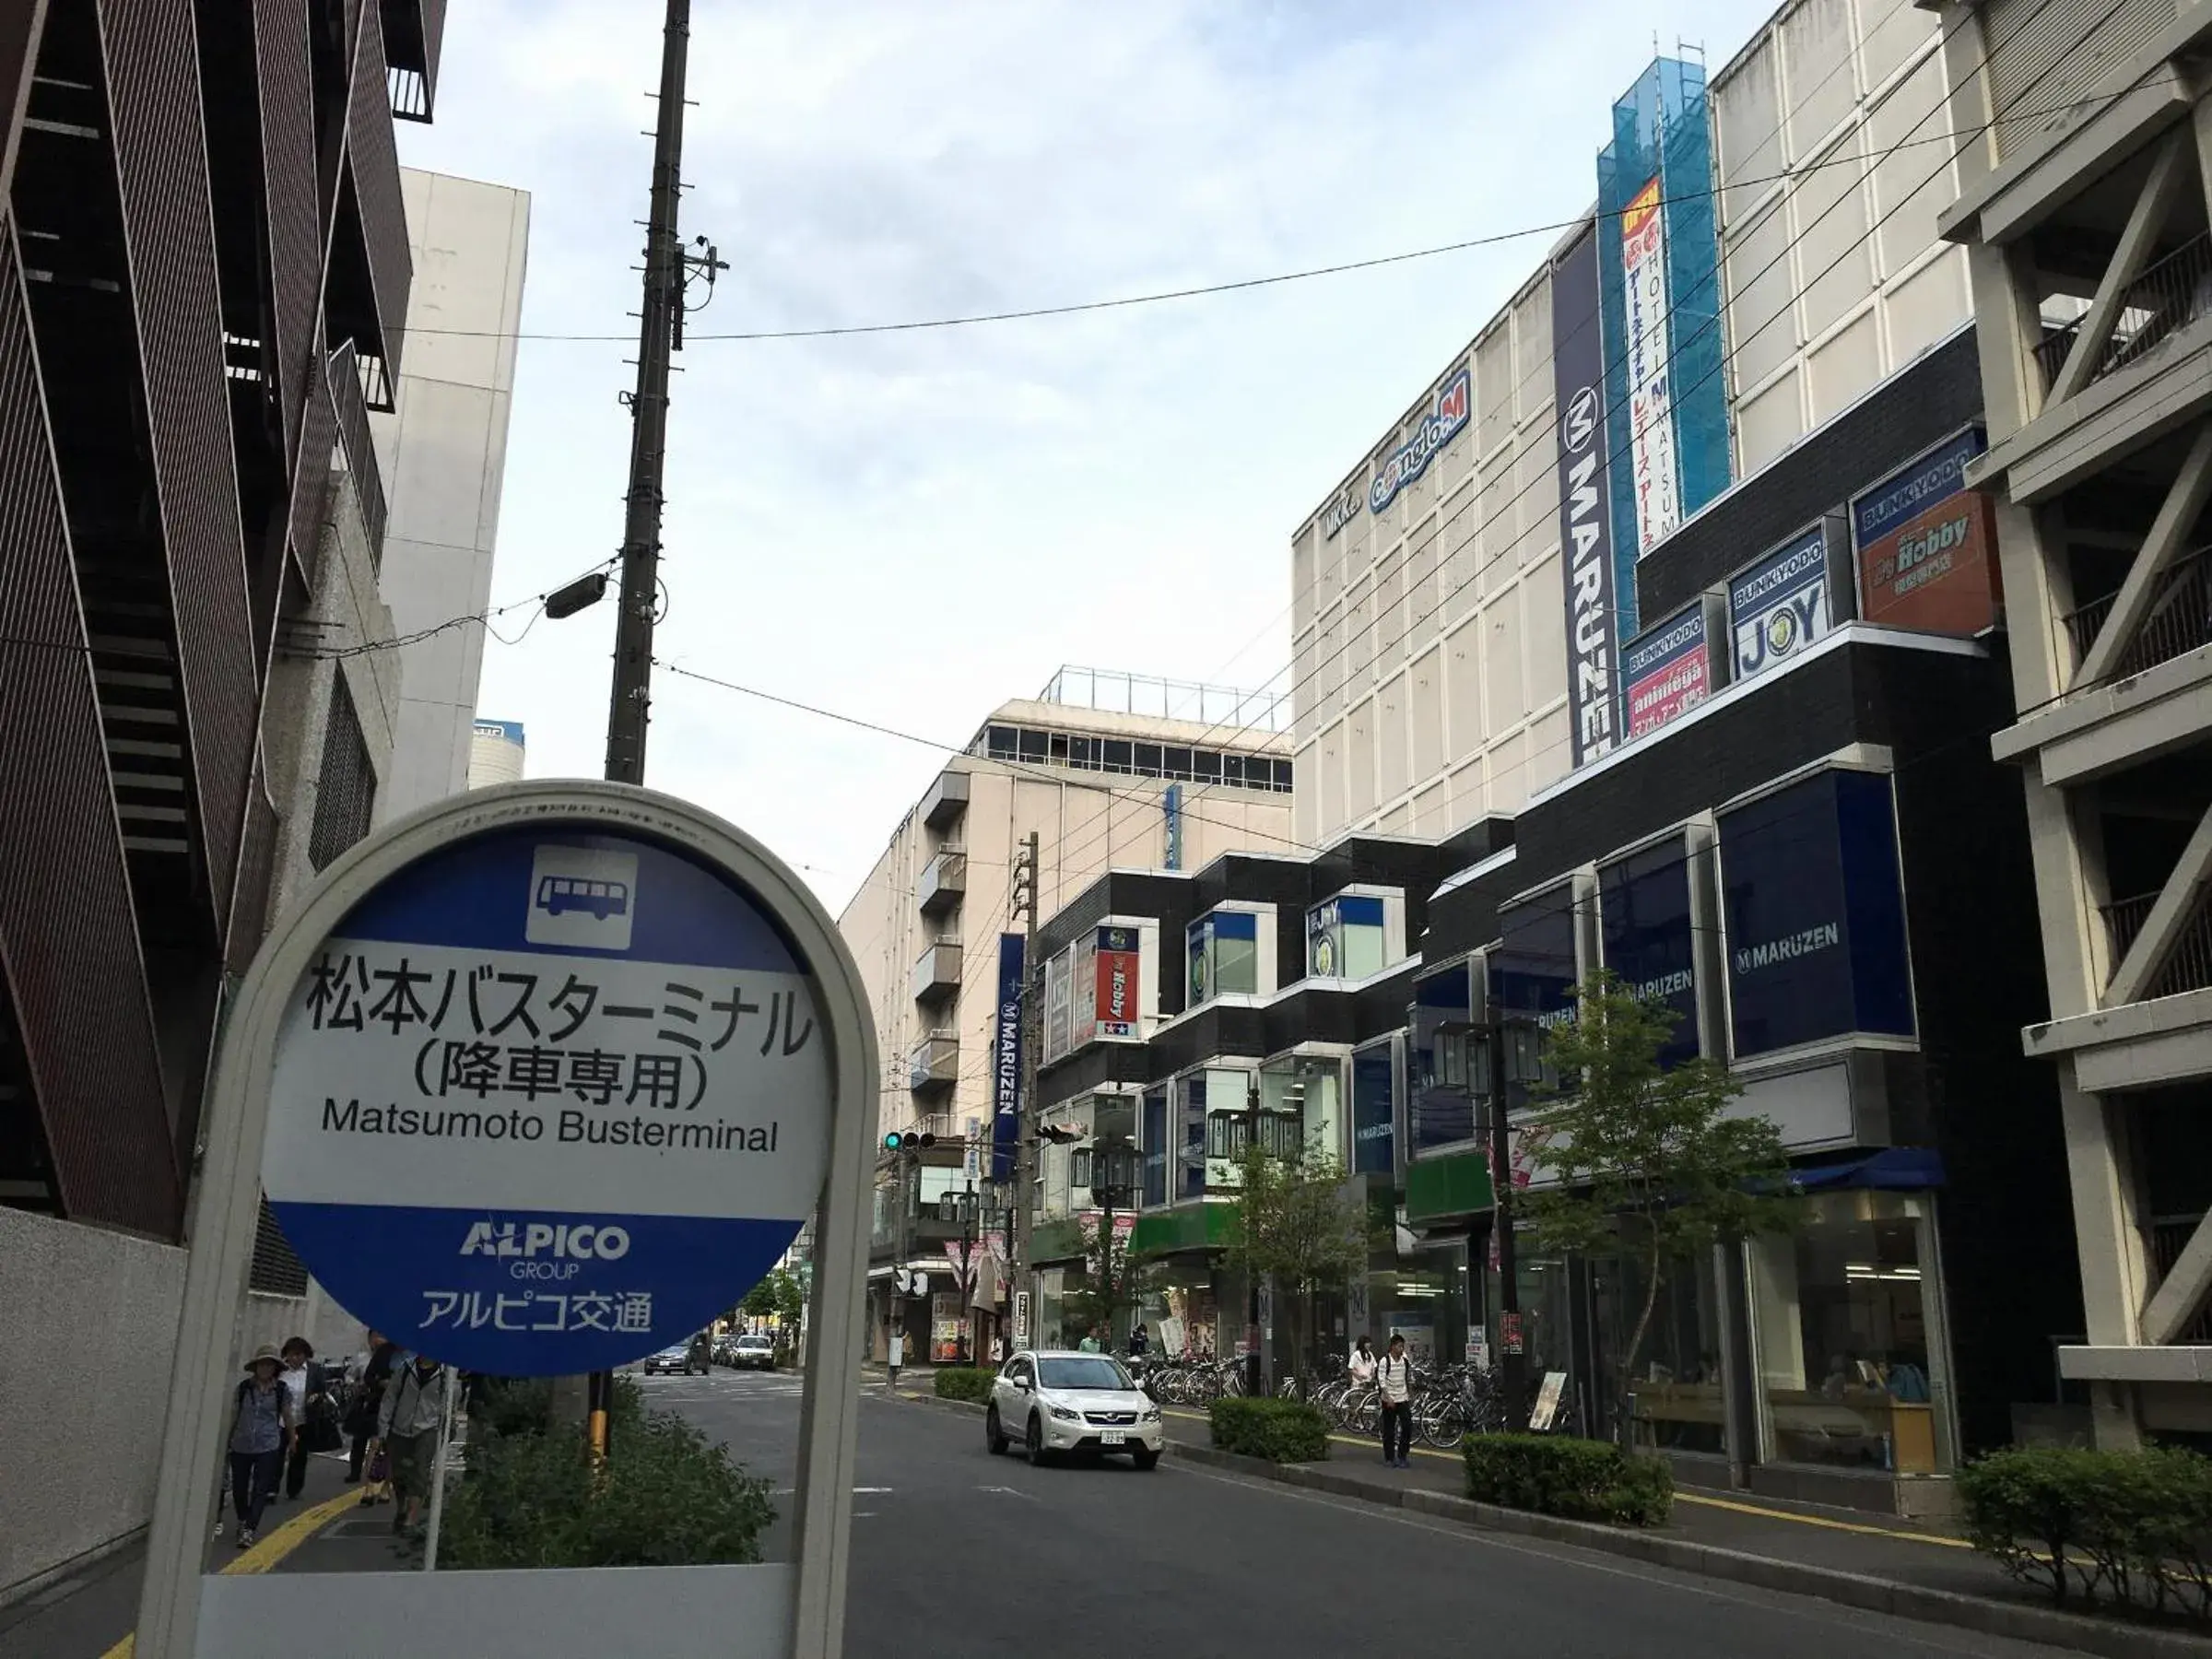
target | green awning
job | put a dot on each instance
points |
(1445, 1189)
(1201, 1226)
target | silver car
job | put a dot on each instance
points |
(1056, 1400)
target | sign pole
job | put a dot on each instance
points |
(445, 1442)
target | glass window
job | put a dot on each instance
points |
(1154, 1147)
(1079, 752)
(1192, 1180)
(1345, 937)
(1236, 953)
(1147, 759)
(999, 742)
(1842, 1335)
(1232, 769)
(1225, 1136)
(1117, 754)
(1676, 1397)
(1033, 746)
(1178, 763)
(1056, 747)
(1374, 1111)
(1206, 766)
(1441, 1111)
(1282, 777)
(1095, 1371)
(1303, 1095)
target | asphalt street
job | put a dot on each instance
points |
(960, 1554)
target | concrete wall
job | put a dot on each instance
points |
(444, 455)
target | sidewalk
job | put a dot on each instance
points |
(91, 1617)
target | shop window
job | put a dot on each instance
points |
(1841, 1311)
(1304, 1095)
(1000, 742)
(1441, 1111)
(1675, 1395)
(1374, 1111)
(1345, 937)
(1190, 1179)
(1153, 1146)
(1223, 951)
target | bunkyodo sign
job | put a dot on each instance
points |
(1667, 672)
(1431, 433)
(574, 1084)
(1926, 545)
(1650, 394)
(1578, 358)
(1116, 983)
(1780, 605)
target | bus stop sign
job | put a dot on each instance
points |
(548, 1098)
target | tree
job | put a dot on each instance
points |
(779, 1294)
(1647, 1161)
(1115, 1279)
(1296, 1220)
(760, 1300)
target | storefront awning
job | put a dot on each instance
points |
(1893, 1168)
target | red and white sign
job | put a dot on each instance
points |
(1117, 980)
(1651, 390)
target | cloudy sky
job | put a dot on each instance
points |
(911, 527)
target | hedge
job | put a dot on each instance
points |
(2128, 1528)
(1278, 1430)
(668, 1497)
(964, 1382)
(1582, 1479)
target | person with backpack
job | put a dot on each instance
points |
(368, 1374)
(309, 1386)
(1393, 1382)
(260, 1428)
(408, 1424)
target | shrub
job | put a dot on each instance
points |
(964, 1382)
(1582, 1479)
(668, 1498)
(2127, 1527)
(1278, 1430)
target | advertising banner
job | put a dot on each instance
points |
(1649, 943)
(1815, 912)
(1927, 546)
(1005, 1058)
(1578, 368)
(1082, 1003)
(1058, 972)
(1115, 982)
(1667, 672)
(1780, 605)
(1454, 401)
(1650, 398)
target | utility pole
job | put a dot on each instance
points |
(660, 333)
(1505, 1053)
(1026, 883)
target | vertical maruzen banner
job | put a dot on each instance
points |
(1926, 545)
(1578, 367)
(1651, 395)
(1005, 1059)
(1667, 672)
(1115, 986)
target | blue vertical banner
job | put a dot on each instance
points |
(1005, 1059)
(1171, 806)
(1593, 636)
(1666, 399)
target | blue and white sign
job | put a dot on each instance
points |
(1005, 1059)
(548, 1099)
(1780, 605)
(1431, 433)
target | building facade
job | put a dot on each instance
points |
(443, 449)
(495, 752)
(203, 274)
(934, 927)
(2084, 221)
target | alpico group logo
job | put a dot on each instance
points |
(1411, 459)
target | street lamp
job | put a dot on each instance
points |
(1503, 1059)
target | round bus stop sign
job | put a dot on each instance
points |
(550, 1096)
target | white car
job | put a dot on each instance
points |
(1057, 1400)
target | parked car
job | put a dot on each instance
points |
(674, 1359)
(1057, 1400)
(755, 1352)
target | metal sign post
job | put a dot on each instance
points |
(538, 1080)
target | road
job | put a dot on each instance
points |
(959, 1554)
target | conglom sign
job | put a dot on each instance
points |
(1431, 433)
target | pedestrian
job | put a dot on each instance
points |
(1090, 1344)
(1138, 1340)
(307, 1384)
(407, 1424)
(1362, 1362)
(366, 1377)
(261, 1427)
(897, 1355)
(1393, 1379)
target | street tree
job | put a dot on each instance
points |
(1297, 1221)
(1114, 1279)
(1643, 1160)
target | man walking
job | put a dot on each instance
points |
(408, 1424)
(1393, 1382)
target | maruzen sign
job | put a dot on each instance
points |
(1434, 429)
(1585, 501)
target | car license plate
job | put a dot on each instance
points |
(1111, 1437)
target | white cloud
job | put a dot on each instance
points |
(915, 526)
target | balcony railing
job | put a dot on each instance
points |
(937, 971)
(2178, 619)
(2188, 965)
(2168, 1236)
(944, 879)
(2167, 298)
(352, 407)
(933, 1063)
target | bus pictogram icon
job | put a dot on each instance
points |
(582, 897)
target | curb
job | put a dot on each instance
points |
(2021, 1622)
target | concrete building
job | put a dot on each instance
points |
(203, 273)
(934, 927)
(495, 753)
(2084, 217)
(443, 449)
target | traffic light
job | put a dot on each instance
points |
(909, 1141)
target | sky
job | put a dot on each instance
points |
(912, 527)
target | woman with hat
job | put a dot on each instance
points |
(261, 1427)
